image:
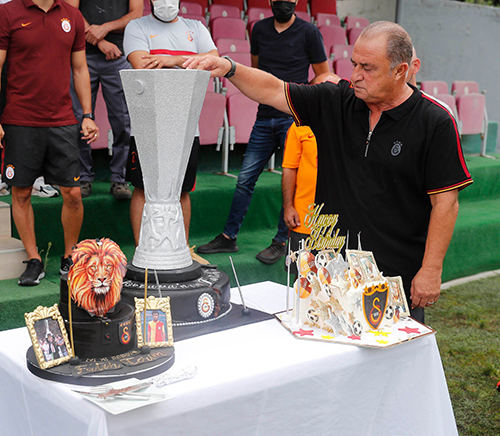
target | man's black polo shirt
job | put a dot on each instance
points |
(381, 187)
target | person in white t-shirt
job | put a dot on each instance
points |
(161, 40)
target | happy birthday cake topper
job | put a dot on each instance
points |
(323, 235)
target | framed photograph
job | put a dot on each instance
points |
(356, 275)
(398, 296)
(154, 322)
(364, 262)
(48, 336)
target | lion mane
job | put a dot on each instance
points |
(95, 278)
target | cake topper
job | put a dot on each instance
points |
(95, 278)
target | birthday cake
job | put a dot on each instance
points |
(345, 298)
(102, 325)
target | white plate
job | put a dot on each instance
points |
(119, 405)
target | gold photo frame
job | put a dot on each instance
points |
(364, 262)
(154, 322)
(397, 295)
(48, 336)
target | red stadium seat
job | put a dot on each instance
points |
(258, 4)
(451, 103)
(332, 35)
(241, 113)
(304, 15)
(240, 57)
(461, 87)
(340, 51)
(212, 119)
(327, 20)
(353, 34)
(231, 45)
(301, 6)
(343, 68)
(228, 28)
(223, 11)
(191, 8)
(256, 14)
(359, 22)
(323, 6)
(434, 87)
(470, 109)
(237, 3)
(200, 18)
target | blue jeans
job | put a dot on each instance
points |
(107, 73)
(268, 134)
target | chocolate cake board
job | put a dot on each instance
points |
(232, 319)
(117, 368)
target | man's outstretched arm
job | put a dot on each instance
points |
(256, 84)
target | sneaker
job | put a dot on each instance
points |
(66, 262)
(4, 188)
(86, 188)
(220, 244)
(33, 274)
(197, 257)
(120, 190)
(42, 189)
(273, 253)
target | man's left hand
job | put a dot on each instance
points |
(95, 33)
(110, 50)
(426, 287)
(90, 132)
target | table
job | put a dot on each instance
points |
(253, 380)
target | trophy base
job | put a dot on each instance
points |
(191, 272)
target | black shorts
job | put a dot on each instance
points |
(294, 239)
(31, 152)
(134, 171)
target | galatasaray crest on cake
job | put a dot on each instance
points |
(96, 276)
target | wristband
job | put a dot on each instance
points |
(231, 72)
(89, 115)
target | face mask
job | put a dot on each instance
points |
(283, 11)
(165, 10)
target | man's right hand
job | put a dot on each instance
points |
(111, 51)
(291, 217)
(217, 66)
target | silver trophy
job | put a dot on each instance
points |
(164, 107)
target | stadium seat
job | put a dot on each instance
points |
(237, 3)
(434, 87)
(461, 87)
(241, 113)
(203, 3)
(243, 58)
(304, 15)
(256, 14)
(301, 6)
(257, 4)
(451, 103)
(332, 35)
(191, 8)
(228, 28)
(323, 6)
(359, 22)
(223, 11)
(342, 67)
(340, 51)
(470, 108)
(212, 119)
(147, 8)
(327, 20)
(231, 45)
(353, 34)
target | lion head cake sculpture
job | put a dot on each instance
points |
(96, 276)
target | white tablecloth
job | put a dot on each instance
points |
(252, 380)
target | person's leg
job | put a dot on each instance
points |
(24, 219)
(260, 148)
(136, 207)
(71, 217)
(118, 116)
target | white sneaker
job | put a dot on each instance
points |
(41, 189)
(4, 188)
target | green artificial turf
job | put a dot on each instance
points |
(467, 321)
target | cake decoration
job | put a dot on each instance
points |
(96, 276)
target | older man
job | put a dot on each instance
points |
(389, 158)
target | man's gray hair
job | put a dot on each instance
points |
(399, 45)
